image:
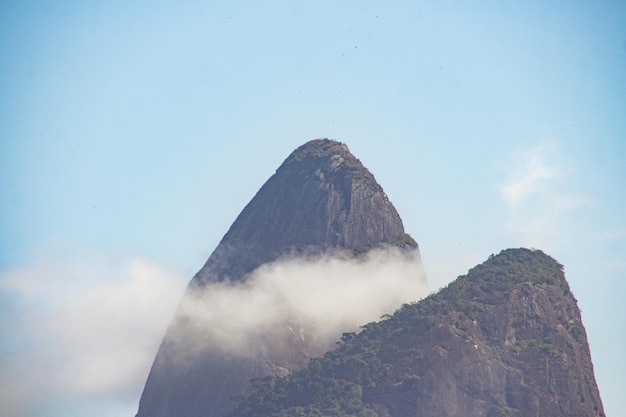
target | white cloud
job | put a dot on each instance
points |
(529, 172)
(81, 331)
(317, 299)
(538, 192)
(86, 332)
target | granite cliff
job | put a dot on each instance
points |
(505, 340)
(320, 201)
(321, 198)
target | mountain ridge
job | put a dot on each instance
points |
(320, 201)
(506, 339)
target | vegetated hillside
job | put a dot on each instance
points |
(320, 200)
(504, 340)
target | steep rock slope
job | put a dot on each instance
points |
(320, 200)
(504, 340)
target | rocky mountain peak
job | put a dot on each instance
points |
(320, 199)
(505, 340)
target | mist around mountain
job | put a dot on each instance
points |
(309, 301)
(318, 251)
(504, 340)
(274, 323)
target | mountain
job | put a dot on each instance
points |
(320, 201)
(321, 198)
(505, 340)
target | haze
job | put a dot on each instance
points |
(133, 134)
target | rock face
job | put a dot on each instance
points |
(320, 200)
(505, 340)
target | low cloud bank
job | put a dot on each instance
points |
(311, 301)
(80, 333)
(79, 337)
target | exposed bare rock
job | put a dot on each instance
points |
(506, 340)
(320, 200)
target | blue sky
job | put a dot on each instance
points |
(131, 136)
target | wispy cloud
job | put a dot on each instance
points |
(85, 332)
(537, 190)
(529, 172)
(319, 298)
(81, 331)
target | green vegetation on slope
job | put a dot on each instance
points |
(313, 149)
(345, 381)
